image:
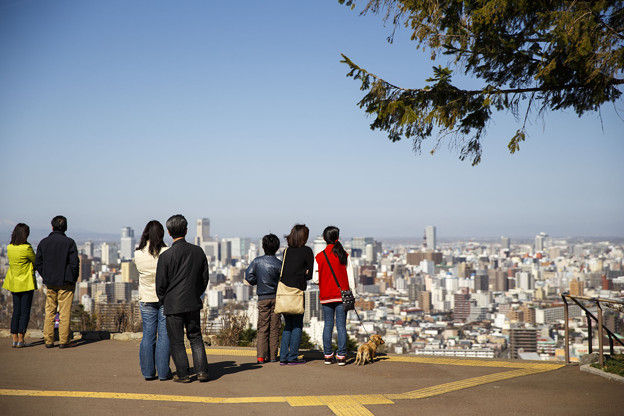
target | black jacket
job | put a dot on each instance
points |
(264, 271)
(57, 260)
(181, 277)
(298, 266)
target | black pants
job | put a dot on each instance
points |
(175, 329)
(22, 302)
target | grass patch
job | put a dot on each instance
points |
(612, 364)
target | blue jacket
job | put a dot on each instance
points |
(264, 271)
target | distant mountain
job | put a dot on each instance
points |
(38, 233)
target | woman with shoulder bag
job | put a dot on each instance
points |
(297, 269)
(333, 273)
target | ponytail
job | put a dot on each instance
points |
(331, 235)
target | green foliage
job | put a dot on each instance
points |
(351, 344)
(555, 54)
(613, 364)
(248, 337)
(305, 341)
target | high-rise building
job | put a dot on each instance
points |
(128, 243)
(312, 305)
(109, 254)
(129, 272)
(462, 305)
(87, 249)
(424, 301)
(576, 287)
(430, 237)
(203, 231)
(540, 241)
(522, 340)
(505, 243)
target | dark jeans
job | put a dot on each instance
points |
(21, 311)
(175, 329)
(291, 337)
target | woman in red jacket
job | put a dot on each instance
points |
(330, 297)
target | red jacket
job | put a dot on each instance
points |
(329, 292)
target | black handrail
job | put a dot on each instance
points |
(598, 320)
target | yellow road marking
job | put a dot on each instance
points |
(341, 405)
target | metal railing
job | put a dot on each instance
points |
(590, 316)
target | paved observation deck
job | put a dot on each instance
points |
(103, 378)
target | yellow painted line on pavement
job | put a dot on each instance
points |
(341, 405)
(228, 351)
(472, 363)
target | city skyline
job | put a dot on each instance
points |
(116, 113)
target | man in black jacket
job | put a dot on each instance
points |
(58, 264)
(181, 278)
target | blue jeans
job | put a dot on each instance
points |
(291, 337)
(21, 311)
(154, 349)
(329, 310)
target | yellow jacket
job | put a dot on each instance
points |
(21, 274)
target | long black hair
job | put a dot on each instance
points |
(20, 234)
(331, 235)
(154, 234)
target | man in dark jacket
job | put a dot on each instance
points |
(181, 278)
(265, 271)
(58, 264)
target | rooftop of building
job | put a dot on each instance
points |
(102, 377)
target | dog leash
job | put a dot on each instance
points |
(361, 323)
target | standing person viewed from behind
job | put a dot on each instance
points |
(154, 349)
(20, 281)
(264, 271)
(330, 297)
(297, 270)
(58, 264)
(181, 278)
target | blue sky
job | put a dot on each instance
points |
(117, 112)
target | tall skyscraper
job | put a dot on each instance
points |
(87, 249)
(505, 243)
(430, 236)
(128, 243)
(203, 231)
(540, 241)
(109, 254)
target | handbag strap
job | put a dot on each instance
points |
(354, 310)
(283, 261)
(332, 270)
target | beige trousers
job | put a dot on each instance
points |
(60, 297)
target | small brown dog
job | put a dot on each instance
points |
(366, 352)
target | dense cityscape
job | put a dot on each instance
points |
(461, 298)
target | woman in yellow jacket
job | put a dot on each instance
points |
(20, 281)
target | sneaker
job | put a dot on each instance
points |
(181, 379)
(342, 360)
(283, 362)
(330, 359)
(260, 360)
(297, 361)
(49, 345)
